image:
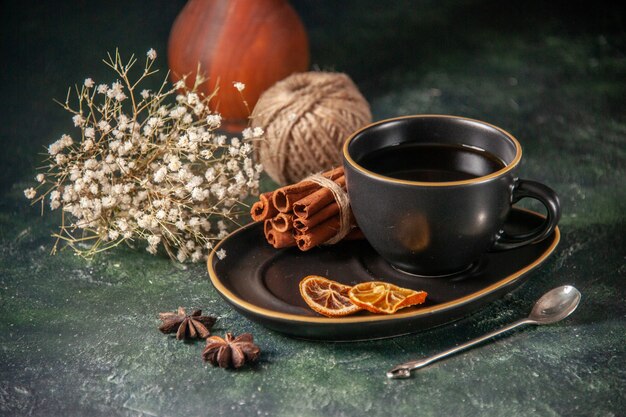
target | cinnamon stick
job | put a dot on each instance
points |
(277, 239)
(283, 222)
(264, 208)
(310, 204)
(318, 235)
(302, 224)
(267, 226)
(285, 197)
(321, 234)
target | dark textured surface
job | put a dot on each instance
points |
(80, 338)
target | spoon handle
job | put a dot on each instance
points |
(404, 370)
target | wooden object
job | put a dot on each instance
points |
(256, 42)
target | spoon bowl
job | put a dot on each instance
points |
(555, 305)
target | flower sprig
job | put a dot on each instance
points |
(141, 168)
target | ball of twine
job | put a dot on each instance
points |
(306, 118)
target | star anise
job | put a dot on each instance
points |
(231, 351)
(186, 326)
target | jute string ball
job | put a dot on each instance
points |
(306, 118)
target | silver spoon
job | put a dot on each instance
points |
(553, 306)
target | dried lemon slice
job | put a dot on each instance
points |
(327, 297)
(382, 297)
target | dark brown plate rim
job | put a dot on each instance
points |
(295, 318)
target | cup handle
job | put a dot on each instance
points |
(547, 196)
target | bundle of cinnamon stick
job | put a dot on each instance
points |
(303, 214)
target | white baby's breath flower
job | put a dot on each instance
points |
(178, 112)
(113, 145)
(60, 144)
(160, 175)
(192, 99)
(146, 172)
(233, 165)
(221, 254)
(104, 126)
(218, 191)
(245, 149)
(162, 112)
(116, 87)
(60, 159)
(66, 140)
(123, 122)
(91, 163)
(197, 255)
(210, 174)
(247, 133)
(239, 178)
(108, 201)
(198, 109)
(54, 148)
(154, 240)
(87, 144)
(78, 120)
(30, 193)
(214, 120)
(122, 224)
(174, 164)
(172, 215)
(194, 182)
(198, 194)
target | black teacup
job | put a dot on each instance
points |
(432, 193)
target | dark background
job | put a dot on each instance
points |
(79, 337)
(383, 45)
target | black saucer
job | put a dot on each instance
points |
(262, 283)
